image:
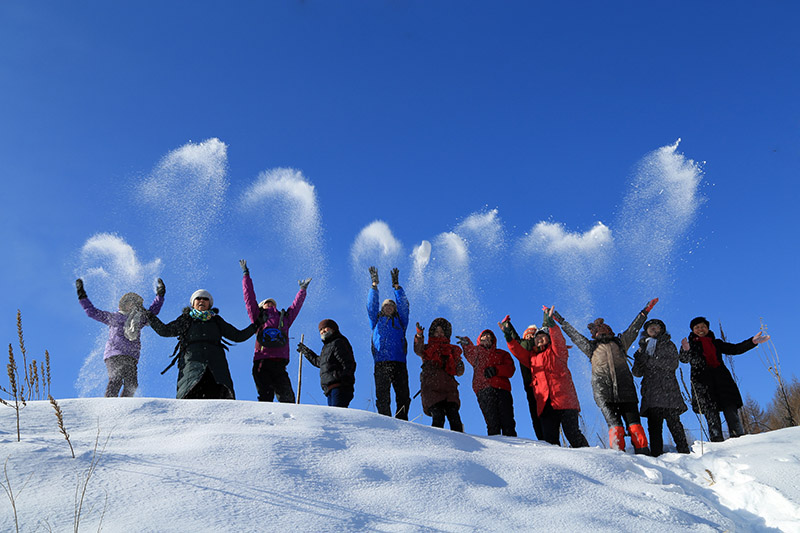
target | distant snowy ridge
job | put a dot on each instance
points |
(206, 465)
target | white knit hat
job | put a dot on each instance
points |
(202, 293)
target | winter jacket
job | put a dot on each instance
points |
(118, 343)
(660, 387)
(713, 389)
(441, 362)
(612, 381)
(201, 347)
(336, 363)
(551, 378)
(481, 358)
(388, 332)
(273, 319)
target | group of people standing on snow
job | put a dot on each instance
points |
(542, 353)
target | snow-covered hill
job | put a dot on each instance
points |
(170, 465)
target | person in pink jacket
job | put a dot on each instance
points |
(272, 349)
(492, 369)
(556, 399)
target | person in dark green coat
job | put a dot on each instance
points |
(202, 366)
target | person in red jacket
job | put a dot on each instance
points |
(492, 369)
(556, 400)
(441, 363)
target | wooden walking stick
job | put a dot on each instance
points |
(300, 372)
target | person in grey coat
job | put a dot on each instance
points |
(655, 362)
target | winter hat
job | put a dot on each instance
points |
(446, 326)
(599, 327)
(328, 323)
(699, 320)
(388, 301)
(532, 329)
(491, 334)
(542, 331)
(262, 303)
(201, 293)
(654, 321)
(129, 302)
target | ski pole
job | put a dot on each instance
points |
(300, 372)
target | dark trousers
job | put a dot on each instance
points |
(735, 428)
(208, 389)
(655, 418)
(122, 373)
(390, 374)
(272, 380)
(340, 396)
(614, 413)
(527, 377)
(565, 419)
(446, 409)
(497, 406)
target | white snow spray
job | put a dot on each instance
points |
(187, 190)
(375, 246)
(282, 205)
(658, 210)
(575, 259)
(483, 232)
(110, 268)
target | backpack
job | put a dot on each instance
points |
(273, 337)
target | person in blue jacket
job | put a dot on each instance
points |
(389, 320)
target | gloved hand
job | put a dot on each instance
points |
(303, 349)
(161, 289)
(261, 318)
(243, 264)
(685, 344)
(420, 330)
(395, 278)
(650, 305)
(505, 323)
(489, 372)
(81, 291)
(373, 274)
(304, 283)
(464, 341)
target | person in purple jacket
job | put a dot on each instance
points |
(121, 354)
(272, 349)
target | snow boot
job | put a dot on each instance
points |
(639, 439)
(616, 438)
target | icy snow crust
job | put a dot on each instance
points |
(172, 465)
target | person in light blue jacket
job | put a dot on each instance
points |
(389, 321)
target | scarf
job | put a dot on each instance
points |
(709, 351)
(651, 345)
(440, 351)
(203, 316)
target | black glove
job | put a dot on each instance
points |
(489, 372)
(161, 289)
(81, 291)
(243, 264)
(261, 318)
(303, 349)
(304, 283)
(373, 274)
(395, 278)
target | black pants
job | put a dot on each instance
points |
(446, 409)
(208, 389)
(272, 380)
(497, 406)
(122, 373)
(735, 428)
(615, 412)
(527, 377)
(566, 419)
(392, 374)
(655, 418)
(340, 396)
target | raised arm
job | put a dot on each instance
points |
(577, 338)
(236, 335)
(629, 335)
(250, 302)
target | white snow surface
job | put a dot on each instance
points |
(206, 465)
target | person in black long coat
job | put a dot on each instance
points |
(336, 363)
(202, 366)
(655, 362)
(713, 387)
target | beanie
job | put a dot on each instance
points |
(328, 323)
(262, 303)
(202, 293)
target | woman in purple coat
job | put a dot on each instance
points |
(121, 354)
(272, 349)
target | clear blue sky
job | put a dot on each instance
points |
(418, 114)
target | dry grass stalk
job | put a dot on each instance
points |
(80, 489)
(10, 492)
(47, 373)
(61, 428)
(17, 401)
(769, 356)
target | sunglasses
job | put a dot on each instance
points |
(203, 298)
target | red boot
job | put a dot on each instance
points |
(639, 439)
(616, 438)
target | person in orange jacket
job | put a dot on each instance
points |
(612, 381)
(492, 369)
(556, 400)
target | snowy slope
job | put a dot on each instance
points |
(171, 465)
